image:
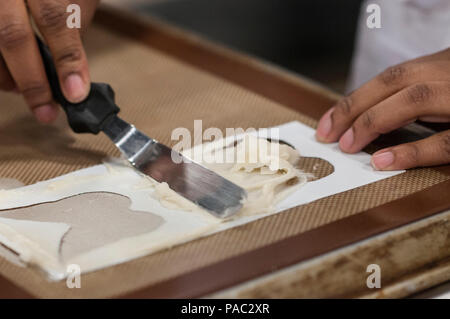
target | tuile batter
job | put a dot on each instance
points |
(268, 177)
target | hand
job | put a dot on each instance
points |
(21, 67)
(417, 89)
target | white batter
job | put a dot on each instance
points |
(267, 173)
(36, 242)
(267, 180)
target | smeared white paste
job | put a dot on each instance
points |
(268, 177)
(38, 243)
(31, 239)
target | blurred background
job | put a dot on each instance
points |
(312, 38)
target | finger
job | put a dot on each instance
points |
(335, 123)
(435, 119)
(19, 49)
(6, 81)
(66, 47)
(431, 151)
(405, 107)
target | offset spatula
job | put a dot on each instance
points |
(98, 113)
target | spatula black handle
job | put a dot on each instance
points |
(88, 116)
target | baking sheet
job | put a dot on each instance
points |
(350, 171)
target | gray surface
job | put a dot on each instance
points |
(86, 214)
(314, 37)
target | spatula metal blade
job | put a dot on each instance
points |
(194, 182)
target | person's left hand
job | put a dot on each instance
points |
(417, 89)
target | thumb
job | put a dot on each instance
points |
(431, 151)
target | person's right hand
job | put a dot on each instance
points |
(21, 67)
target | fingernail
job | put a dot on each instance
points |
(382, 160)
(75, 88)
(347, 140)
(324, 127)
(45, 113)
